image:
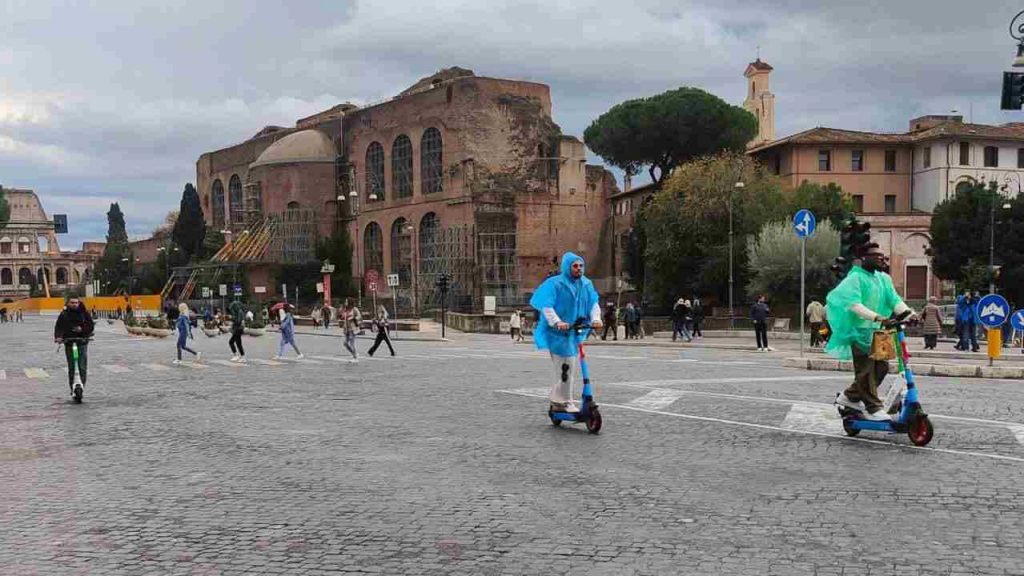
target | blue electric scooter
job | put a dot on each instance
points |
(588, 412)
(908, 416)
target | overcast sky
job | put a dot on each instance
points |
(114, 101)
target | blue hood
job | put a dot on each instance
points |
(571, 299)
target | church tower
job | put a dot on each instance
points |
(760, 101)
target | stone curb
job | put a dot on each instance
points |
(950, 370)
(367, 336)
(648, 343)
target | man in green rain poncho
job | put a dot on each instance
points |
(855, 308)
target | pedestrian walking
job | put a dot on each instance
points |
(325, 315)
(381, 323)
(515, 326)
(931, 317)
(610, 322)
(288, 332)
(967, 332)
(184, 328)
(348, 324)
(630, 318)
(759, 313)
(679, 314)
(237, 329)
(815, 313)
(697, 313)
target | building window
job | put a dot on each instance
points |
(237, 203)
(6, 277)
(375, 172)
(62, 276)
(24, 246)
(1020, 157)
(373, 248)
(858, 203)
(927, 157)
(777, 164)
(890, 160)
(991, 157)
(218, 204)
(431, 165)
(401, 167)
(824, 160)
(890, 203)
(430, 228)
(965, 153)
(401, 251)
(5, 246)
(857, 161)
(25, 277)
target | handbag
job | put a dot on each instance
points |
(882, 345)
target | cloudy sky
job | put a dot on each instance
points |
(108, 101)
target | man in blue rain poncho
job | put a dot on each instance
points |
(561, 300)
(855, 308)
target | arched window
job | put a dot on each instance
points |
(25, 277)
(429, 226)
(401, 167)
(292, 206)
(24, 245)
(373, 248)
(375, 172)
(236, 199)
(218, 205)
(401, 251)
(43, 273)
(6, 245)
(6, 277)
(431, 167)
(62, 276)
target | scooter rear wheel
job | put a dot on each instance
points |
(920, 431)
(78, 394)
(849, 429)
(594, 423)
(554, 421)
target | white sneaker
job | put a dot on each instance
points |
(234, 358)
(354, 361)
(769, 349)
(176, 362)
(301, 356)
(842, 400)
(759, 349)
(199, 357)
(276, 357)
(878, 415)
(242, 360)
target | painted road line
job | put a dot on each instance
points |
(813, 418)
(194, 365)
(657, 399)
(333, 359)
(155, 367)
(263, 362)
(36, 373)
(228, 363)
(115, 368)
(657, 383)
(3, 374)
(1018, 432)
(794, 431)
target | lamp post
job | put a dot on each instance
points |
(738, 186)
(992, 236)
(167, 260)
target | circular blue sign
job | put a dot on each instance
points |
(1017, 320)
(993, 310)
(804, 224)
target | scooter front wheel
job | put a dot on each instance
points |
(594, 423)
(554, 421)
(849, 429)
(78, 394)
(920, 431)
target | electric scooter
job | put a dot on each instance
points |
(908, 416)
(588, 413)
(78, 390)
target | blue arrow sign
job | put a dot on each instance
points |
(804, 224)
(993, 310)
(1017, 320)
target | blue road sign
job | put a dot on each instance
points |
(993, 310)
(1017, 320)
(238, 289)
(804, 224)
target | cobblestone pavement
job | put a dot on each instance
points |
(441, 461)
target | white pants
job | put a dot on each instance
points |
(562, 388)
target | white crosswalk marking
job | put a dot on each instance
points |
(226, 363)
(115, 368)
(333, 359)
(263, 362)
(820, 418)
(155, 367)
(657, 399)
(1018, 432)
(36, 373)
(3, 374)
(194, 365)
(301, 361)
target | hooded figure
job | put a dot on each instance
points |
(561, 300)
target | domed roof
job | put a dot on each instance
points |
(298, 147)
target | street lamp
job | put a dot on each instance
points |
(738, 186)
(1017, 33)
(992, 236)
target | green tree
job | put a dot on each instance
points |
(663, 131)
(686, 225)
(774, 259)
(338, 249)
(5, 209)
(827, 202)
(111, 269)
(190, 227)
(961, 234)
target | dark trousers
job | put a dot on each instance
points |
(382, 336)
(815, 333)
(183, 345)
(83, 361)
(867, 375)
(607, 327)
(761, 333)
(968, 335)
(696, 327)
(236, 341)
(931, 340)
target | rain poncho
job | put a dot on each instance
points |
(875, 292)
(571, 299)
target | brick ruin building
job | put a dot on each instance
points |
(458, 174)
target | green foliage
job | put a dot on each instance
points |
(213, 241)
(5, 209)
(666, 130)
(190, 228)
(686, 225)
(110, 269)
(338, 249)
(961, 233)
(774, 260)
(302, 277)
(827, 202)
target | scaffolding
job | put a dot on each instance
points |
(477, 265)
(499, 270)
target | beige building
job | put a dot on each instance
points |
(760, 101)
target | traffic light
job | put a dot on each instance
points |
(854, 240)
(1013, 90)
(442, 283)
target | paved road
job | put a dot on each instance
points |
(440, 461)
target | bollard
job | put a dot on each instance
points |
(995, 344)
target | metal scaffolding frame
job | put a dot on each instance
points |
(477, 263)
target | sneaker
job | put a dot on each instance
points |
(301, 356)
(276, 357)
(354, 361)
(878, 415)
(242, 360)
(556, 407)
(842, 400)
(769, 349)
(759, 349)
(199, 357)
(234, 358)
(176, 362)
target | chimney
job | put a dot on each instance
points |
(627, 183)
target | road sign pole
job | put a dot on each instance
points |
(803, 277)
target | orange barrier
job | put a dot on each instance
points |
(141, 305)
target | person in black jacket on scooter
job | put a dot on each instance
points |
(74, 325)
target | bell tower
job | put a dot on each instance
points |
(760, 101)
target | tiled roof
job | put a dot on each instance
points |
(759, 65)
(1012, 131)
(821, 135)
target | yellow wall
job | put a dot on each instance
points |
(141, 305)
